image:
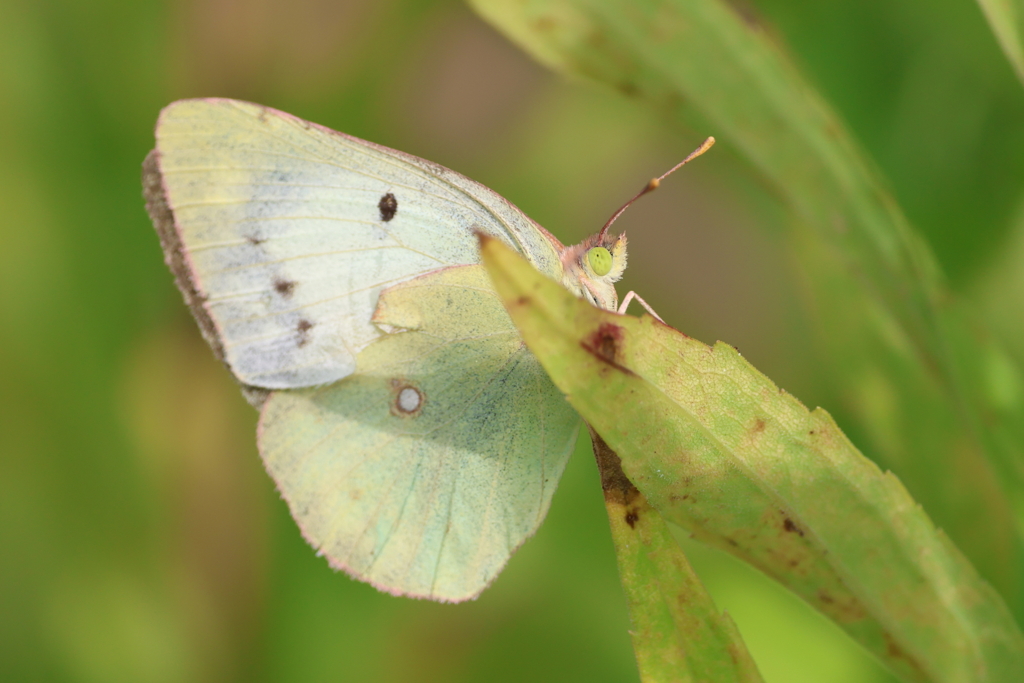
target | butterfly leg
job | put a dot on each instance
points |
(633, 295)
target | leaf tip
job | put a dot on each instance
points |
(482, 237)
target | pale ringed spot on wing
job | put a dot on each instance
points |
(408, 399)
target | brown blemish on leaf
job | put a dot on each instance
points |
(631, 517)
(892, 648)
(627, 88)
(544, 24)
(606, 341)
(790, 526)
(842, 607)
(284, 287)
(604, 344)
(894, 651)
(758, 426)
(303, 328)
(616, 485)
(388, 206)
(746, 11)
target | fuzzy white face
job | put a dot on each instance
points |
(592, 267)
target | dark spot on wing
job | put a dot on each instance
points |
(388, 207)
(285, 287)
(254, 240)
(303, 328)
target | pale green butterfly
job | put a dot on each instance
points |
(415, 439)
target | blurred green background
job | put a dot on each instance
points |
(140, 539)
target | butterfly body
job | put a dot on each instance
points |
(415, 439)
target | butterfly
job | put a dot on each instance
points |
(415, 439)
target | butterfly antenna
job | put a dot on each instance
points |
(655, 182)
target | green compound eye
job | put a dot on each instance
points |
(600, 260)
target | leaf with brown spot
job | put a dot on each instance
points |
(908, 358)
(669, 609)
(811, 512)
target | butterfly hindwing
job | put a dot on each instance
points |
(423, 471)
(282, 233)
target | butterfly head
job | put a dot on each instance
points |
(592, 267)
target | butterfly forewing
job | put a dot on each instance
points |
(285, 233)
(423, 471)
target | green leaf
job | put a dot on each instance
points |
(907, 365)
(1006, 17)
(678, 633)
(717, 448)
